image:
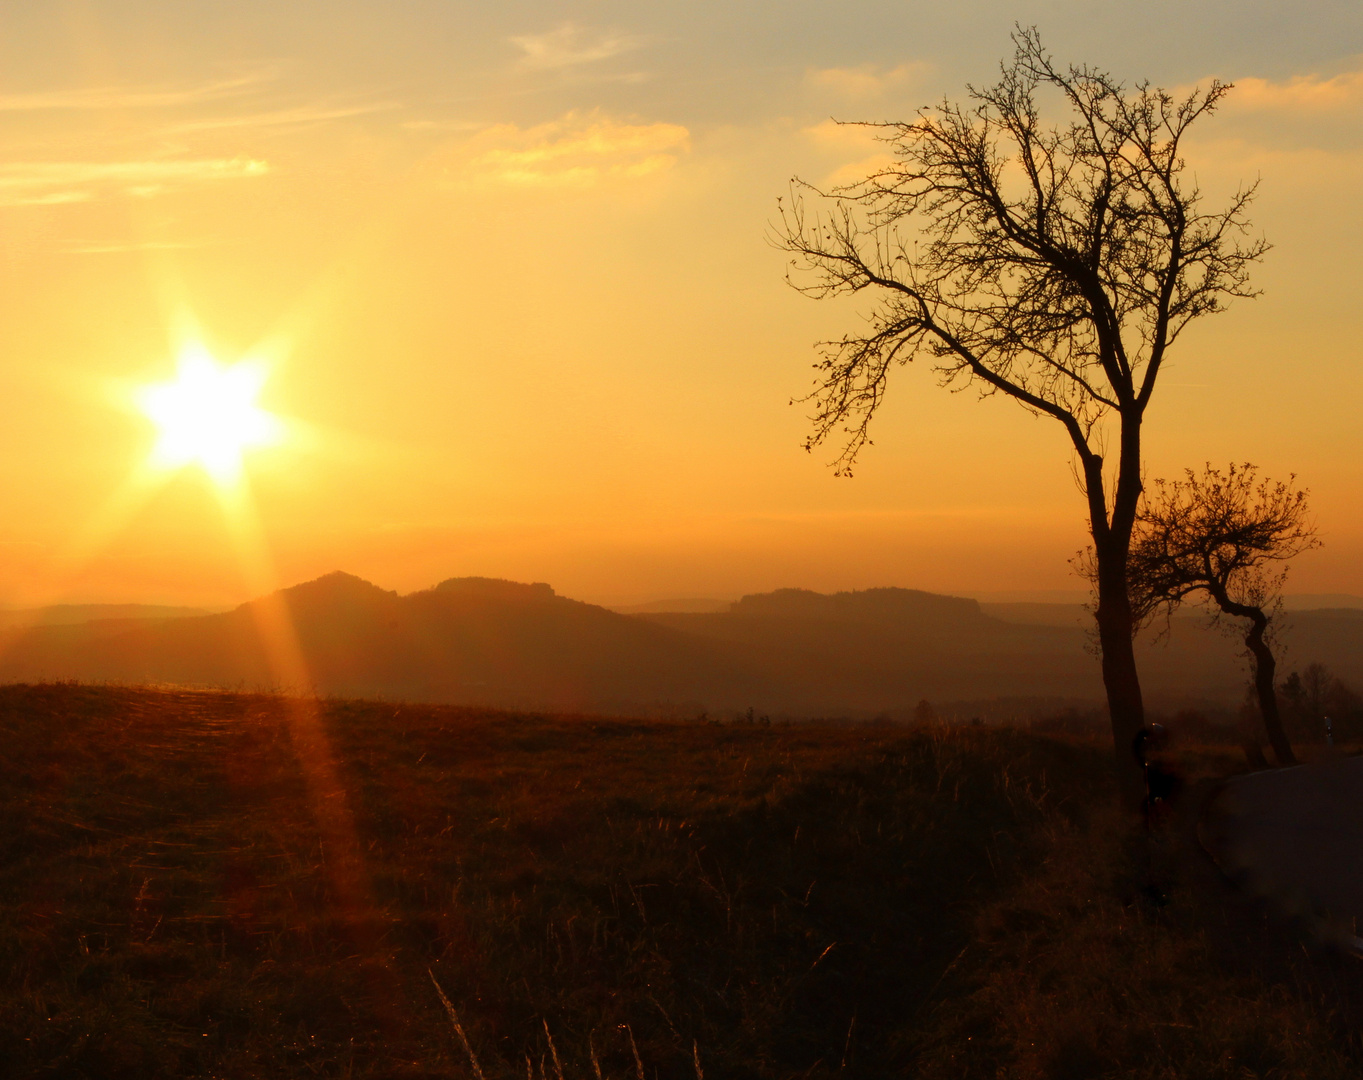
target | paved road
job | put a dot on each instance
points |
(1295, 836)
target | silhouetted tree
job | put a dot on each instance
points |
(1305, 694)
(1316, 682)
(1312, 694)
(1053, 263)
(1224, 537)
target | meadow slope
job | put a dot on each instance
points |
(182, 895)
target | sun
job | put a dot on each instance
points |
(208, 416)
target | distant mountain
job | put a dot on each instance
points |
(1032, 596)
(1040, 614)
(792, 652)
(470, 640)
(68, 614)
(885, 649)
(692, 604)
(1316, 601)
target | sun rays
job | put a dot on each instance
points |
(208, 424)
(208, 416)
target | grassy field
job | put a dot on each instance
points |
(227, 885)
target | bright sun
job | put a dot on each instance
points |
(208, 415)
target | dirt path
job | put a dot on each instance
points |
(1295, 837)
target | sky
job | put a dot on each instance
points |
(504, 272)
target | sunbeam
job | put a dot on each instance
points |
(208, 416)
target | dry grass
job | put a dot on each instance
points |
(607, 898)
(1076, 974)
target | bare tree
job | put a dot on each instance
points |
(1224, 537)
(1053, 263)
(1313, 694)
(1309, 694)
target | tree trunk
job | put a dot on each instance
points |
(1126, 707)
(1265, 674)
(1116, 624)
(1265, 669)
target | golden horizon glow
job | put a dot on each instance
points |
(502, 279)
(208, 416)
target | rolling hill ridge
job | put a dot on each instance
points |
(792, 652)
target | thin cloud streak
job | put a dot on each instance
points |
(53, 182)
(55, 198)
(866, 82)
(116, 97)
(123, 249)
(570, 46)
(303, 114)
(577, 150)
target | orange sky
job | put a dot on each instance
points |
(507, 266)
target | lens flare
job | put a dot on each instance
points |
(208, 416)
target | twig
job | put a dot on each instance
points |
(821, 956)
(558, 1065)
(458, 1027)
(638, 1062)
(596, 1062)
(847, 1046)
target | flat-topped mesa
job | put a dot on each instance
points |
(483, 588)
(857, 604)
(335, 587)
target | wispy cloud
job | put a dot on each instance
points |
(120, 249)
(43, 198)
(207, 104)
(40, 183)
(1290, 164)
(441, 125)
(123, 97)
(867, 82)
(572, 46)
(1290, 126)
(1311, 93)
(841, 137)
(577, 150)
(856, 146)
(291, 117)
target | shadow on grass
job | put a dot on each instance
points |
(787, 900)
